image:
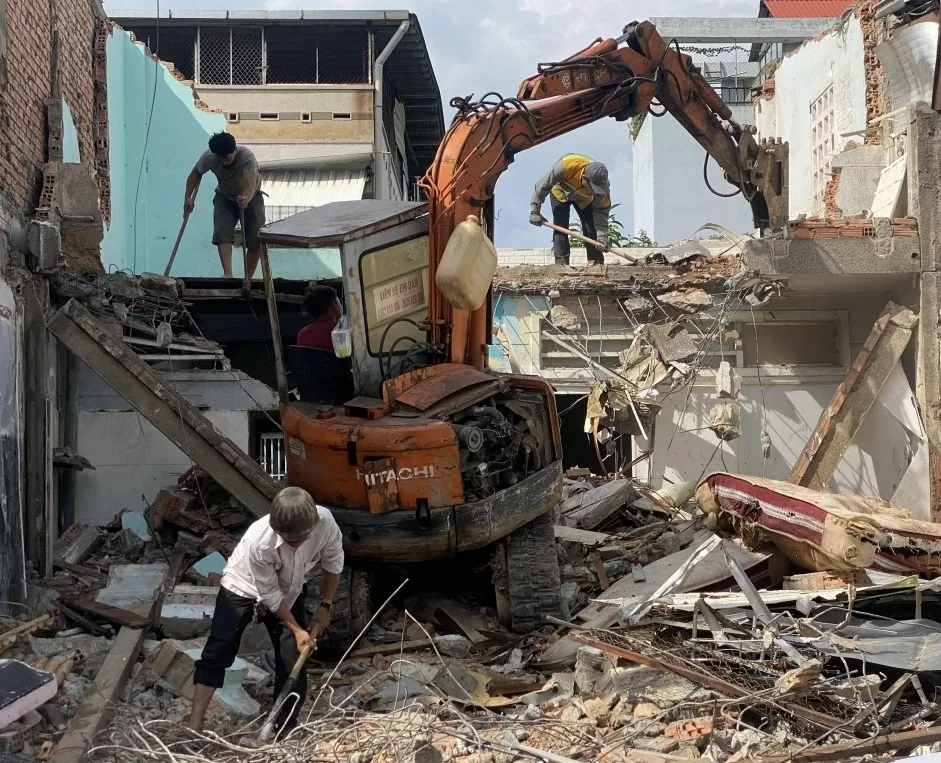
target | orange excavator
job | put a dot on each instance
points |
(431, 455)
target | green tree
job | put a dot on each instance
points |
(614, 236)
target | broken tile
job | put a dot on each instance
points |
(213, 564)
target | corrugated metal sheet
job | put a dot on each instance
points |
(293, 191)
(807, 9)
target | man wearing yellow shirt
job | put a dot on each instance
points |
(581, 182)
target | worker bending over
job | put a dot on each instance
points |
(264, 581)
(238, 192)
(578, 181)
(323, 307)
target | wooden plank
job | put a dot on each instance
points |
(9, 637)
(95, 713)
(271, 300)
(463, 619)
(82, 621)
(167, 410)
(585, 537)
(78, 569)
(600, 571)
(841, 419)
(116, 615)
(398, 646)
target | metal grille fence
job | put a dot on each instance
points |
(230, 56)
(273, 461)
(240, 55)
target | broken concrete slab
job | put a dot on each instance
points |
(592, 508)
(728, 382)
(692, 301)
(82, 547)
(23, 689)
(187, 611)
(674, 344)
(725, 420)
(563, 318)
(133, 587)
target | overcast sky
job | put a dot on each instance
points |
(481, 45)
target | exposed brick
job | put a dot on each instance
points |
(26, 142)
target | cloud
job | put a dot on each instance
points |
(483, 45)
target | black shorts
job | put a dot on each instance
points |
(225, 217)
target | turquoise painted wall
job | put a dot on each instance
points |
(148, 176)
(71, 153)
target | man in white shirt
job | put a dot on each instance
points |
(264, 581)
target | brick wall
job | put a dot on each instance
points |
(26, 85)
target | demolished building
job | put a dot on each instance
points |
(763, 371)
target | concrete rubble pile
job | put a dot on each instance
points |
(678, 643)
(729, 619)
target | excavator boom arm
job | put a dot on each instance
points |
(617, 78)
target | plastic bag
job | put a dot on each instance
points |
(342, 336)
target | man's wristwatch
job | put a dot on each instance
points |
(326, 605)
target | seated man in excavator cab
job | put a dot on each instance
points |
(579, 181)
(320, 376)
(322, 306)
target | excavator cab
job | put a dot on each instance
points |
(428, 459)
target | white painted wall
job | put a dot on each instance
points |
(670, 198)
(837, 59)
(873, 465)
(133, 460)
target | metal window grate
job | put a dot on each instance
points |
(823, 145)
(229, 56)
(318, 55)
(273, 461)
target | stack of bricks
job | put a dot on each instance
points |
(904, 227)
(852, 227)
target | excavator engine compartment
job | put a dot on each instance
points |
(410, 485)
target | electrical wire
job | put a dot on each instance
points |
(150, 120)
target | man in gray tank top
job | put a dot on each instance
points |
(238, 190)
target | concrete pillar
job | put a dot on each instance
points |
(924, 173)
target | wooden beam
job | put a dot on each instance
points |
(403, 646)
(95, 713)
(278, 348)
(171, 413)
(841, 419)
(35, 372)
(209, 294)
(116, 615)
(862, 748)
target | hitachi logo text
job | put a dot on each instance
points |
(387, 475)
